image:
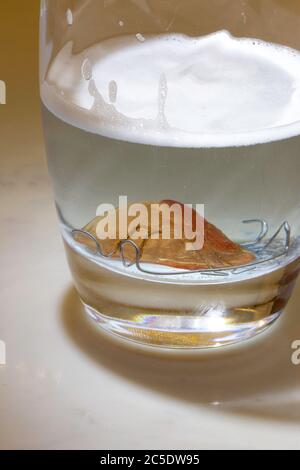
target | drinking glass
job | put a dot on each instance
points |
(190, 111)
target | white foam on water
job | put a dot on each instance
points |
(174, 90)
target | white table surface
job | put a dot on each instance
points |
(66, 386)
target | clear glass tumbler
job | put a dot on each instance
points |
(179, 112)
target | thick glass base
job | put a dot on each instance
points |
(184, 314)
(187, 332)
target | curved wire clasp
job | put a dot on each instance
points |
(223, 272)
(264, 229)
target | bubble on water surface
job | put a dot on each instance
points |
(140, 37)
(87, 69)
(70, 18)
(113, 91)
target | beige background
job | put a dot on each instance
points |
(65, 385)
(19, 119)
